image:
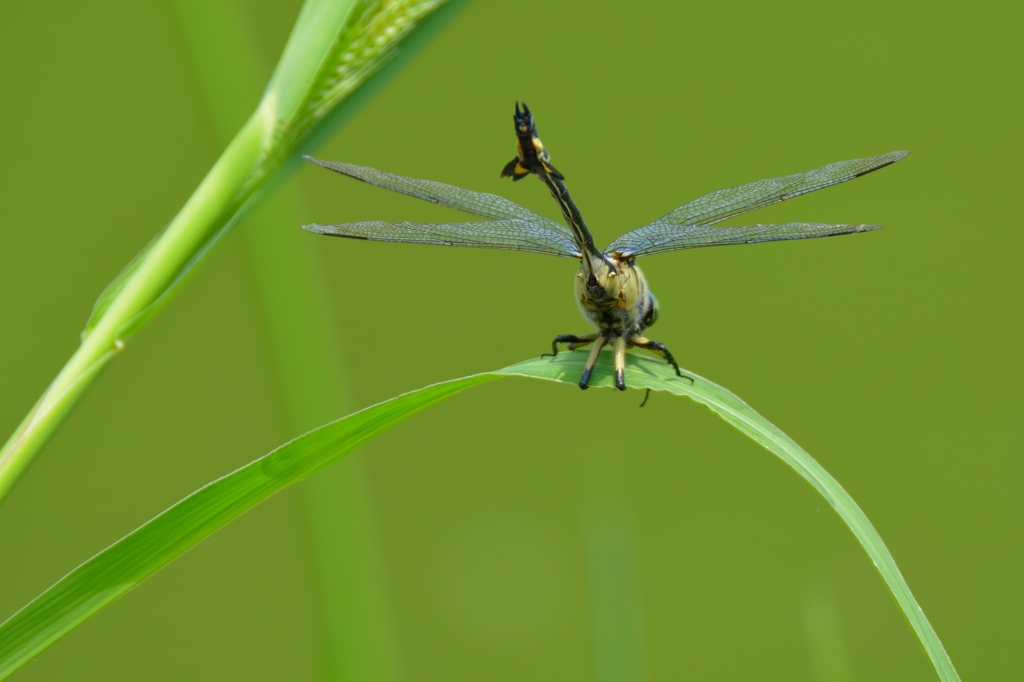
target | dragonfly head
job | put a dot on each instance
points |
(605, 280)
(612, 293)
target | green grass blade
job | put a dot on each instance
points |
(109, 574)
(359, 640)
(337, 48)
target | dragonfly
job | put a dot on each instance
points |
(611, 291)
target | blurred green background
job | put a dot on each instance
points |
(522, 526)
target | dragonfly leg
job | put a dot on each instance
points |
(571, 339)
(620, 363)
(659, 348)
(595, 353)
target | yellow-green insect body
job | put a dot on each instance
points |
(612, 293)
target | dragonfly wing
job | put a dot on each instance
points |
(476, 203)
(659, 237)
(726, 203)
(509, 235)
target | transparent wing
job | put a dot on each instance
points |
(508, 235)
(476, 203)
(726, 203)
(656, 238)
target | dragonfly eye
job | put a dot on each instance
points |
(652, 310)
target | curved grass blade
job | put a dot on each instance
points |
(124, 564)
(646, 373)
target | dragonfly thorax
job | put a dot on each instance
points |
(612, 293)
